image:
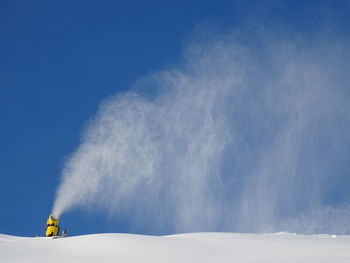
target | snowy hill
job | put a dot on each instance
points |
(195, 247)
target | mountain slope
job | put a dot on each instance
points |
(194, 247)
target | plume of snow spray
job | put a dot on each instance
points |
(238, 138)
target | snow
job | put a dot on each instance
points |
(194, 247)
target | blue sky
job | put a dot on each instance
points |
(60, 59)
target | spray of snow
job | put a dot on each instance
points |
(240, 137)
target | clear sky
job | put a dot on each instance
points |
(58, 60)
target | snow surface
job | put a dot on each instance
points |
(194, 247)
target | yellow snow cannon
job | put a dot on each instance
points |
(52, 228)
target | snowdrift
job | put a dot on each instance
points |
(194, 247)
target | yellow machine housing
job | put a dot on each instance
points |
(52, 228)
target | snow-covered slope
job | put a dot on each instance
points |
(196, 247)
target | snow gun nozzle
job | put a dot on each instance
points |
(54, 217)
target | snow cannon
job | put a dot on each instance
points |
(52, 228)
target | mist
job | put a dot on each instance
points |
(249, 132)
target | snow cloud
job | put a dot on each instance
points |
(249, 133)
